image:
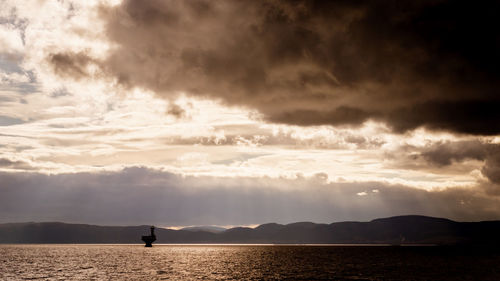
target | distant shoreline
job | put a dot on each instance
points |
(393, 231)
(228, 244)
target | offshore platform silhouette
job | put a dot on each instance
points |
(149, 239)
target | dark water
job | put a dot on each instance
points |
(229, 262)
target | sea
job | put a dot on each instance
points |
(245, 262)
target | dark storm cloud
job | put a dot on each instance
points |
(140, 195)
(430, 63)
(446, 153)
(491, 169)
(339, 116)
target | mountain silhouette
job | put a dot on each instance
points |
(393, 230)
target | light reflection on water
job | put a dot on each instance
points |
(250, 262)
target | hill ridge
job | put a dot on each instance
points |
(411, 229)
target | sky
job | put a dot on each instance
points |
(198, 112)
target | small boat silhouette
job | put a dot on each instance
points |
(149, 239)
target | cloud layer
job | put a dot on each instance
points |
(431, 63)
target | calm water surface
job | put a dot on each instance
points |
(249, 262)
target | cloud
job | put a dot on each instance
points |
(21, 165)
(11, 41)
(139, 195)
(428, 63)
(176, 110)
(446, 153)
(491, 169)
(9, 121)
(74, 65)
